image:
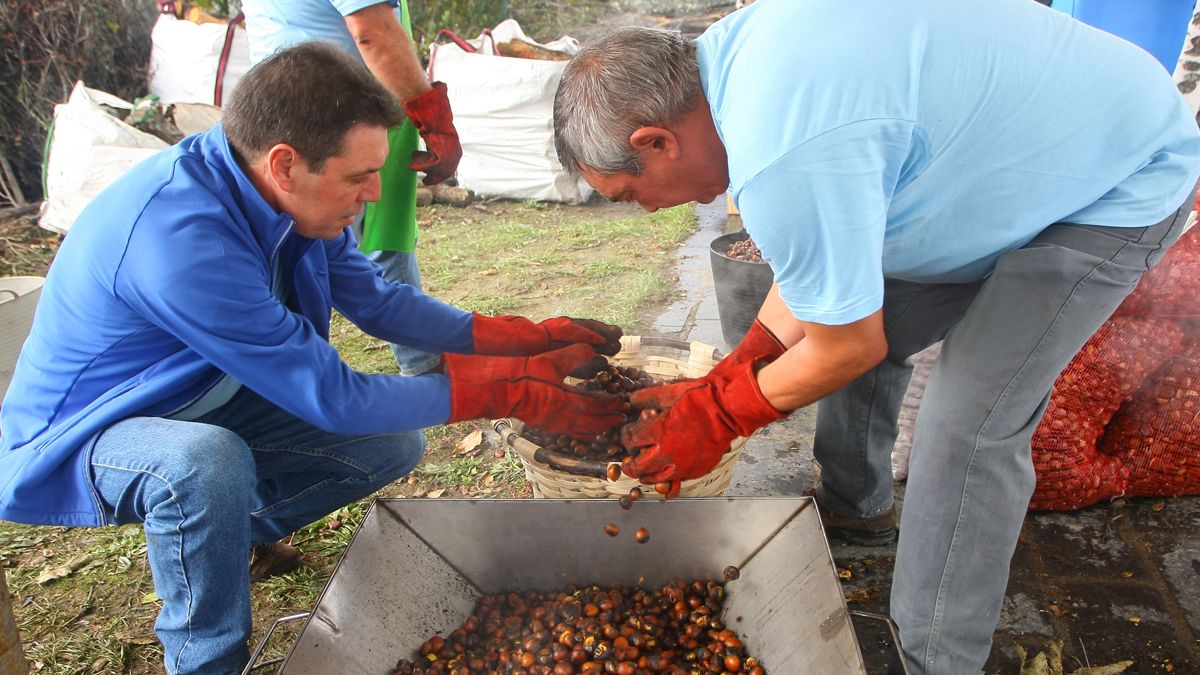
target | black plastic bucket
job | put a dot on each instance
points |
(741, 287)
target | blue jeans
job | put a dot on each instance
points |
(205, 491)
(1006, 340)
(402, 267)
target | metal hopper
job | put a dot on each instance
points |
(416, 568)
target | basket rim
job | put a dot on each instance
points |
(674, 343)
(510, 434)
(510, 430)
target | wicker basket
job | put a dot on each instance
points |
(665, 358)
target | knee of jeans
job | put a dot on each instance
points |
(222, 464)
(409, 448)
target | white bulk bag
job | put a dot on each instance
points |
(185, 59)
(89, 148)
(503, 111)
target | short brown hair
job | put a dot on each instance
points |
(308, 96)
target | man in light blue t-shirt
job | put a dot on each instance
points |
(988, 173)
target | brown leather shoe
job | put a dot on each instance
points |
(877, 530)
(268, 560)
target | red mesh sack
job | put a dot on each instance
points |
(1156, 435)
(1170, 288)
(1106, 372)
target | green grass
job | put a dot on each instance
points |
(456, 472)
(568, 266)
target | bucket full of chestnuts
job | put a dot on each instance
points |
(552, 586)
(562, 467)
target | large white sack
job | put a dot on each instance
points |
(89, 148)
(185, 57)
(503, 111)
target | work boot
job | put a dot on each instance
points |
(268, 560)
(877, 530)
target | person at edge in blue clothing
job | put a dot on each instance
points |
(178, 372)
(990, 173)
(377, 33)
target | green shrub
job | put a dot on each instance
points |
(45, 46)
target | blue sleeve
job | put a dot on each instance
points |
(216, 300)
(391, 311)
(819, 214)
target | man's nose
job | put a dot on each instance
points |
(373, 190)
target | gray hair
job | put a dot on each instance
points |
(626, 79)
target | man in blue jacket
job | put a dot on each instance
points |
(987, 172)
(179, 374)
(377, 32)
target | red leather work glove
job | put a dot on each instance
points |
(760, 344)
(532, 390)
(698, 421)
(430, 114)
(518, 336)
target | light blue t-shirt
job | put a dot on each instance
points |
(919, 140)
(272, 25)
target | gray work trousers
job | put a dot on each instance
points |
(1006, 340)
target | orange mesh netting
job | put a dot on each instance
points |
(1110, 367)
(1156, 436)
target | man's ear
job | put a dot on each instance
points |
(282, 163)
(655, 140)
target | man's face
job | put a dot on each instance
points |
(324, 203)
(696, 173)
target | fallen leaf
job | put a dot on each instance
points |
(1056, 610)
(1110, 669)
(149, 598)
(62, 571)
(469, 445)
(1051, 664)
(491, 271)
(434, 494)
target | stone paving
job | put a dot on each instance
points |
(1115, 582)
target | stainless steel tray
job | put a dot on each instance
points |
(416, 568)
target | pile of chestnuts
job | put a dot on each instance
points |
(676, 630)
(607, 447)
(745, 250)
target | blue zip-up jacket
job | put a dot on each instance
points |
(163, 286)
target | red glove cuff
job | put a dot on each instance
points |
(760, 344)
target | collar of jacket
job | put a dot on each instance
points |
(268, 226)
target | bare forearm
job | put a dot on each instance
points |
(387, 51)
(826, 359)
